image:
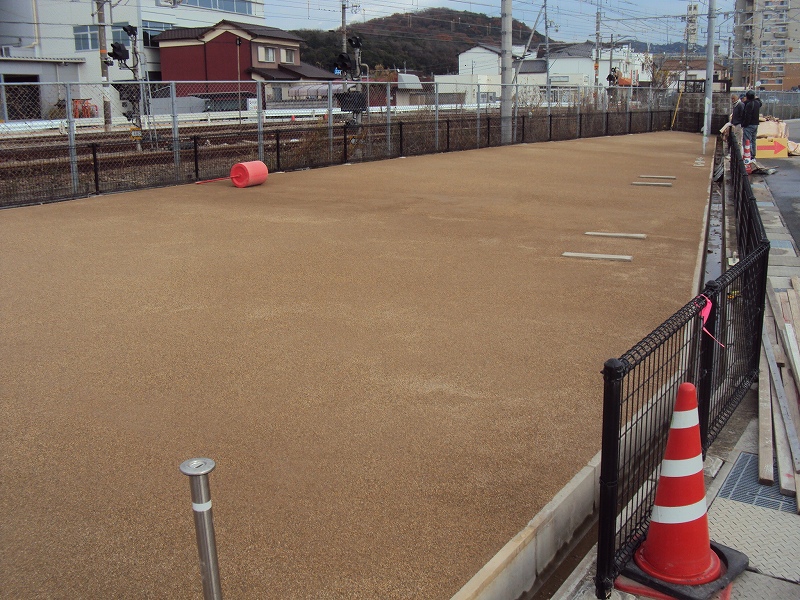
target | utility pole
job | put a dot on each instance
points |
(738, 43)
(101, 34)
(547, 54)
(709, 73)
(344, 26)
(597, 47)
(506, 74)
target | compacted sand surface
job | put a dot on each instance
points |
(392, 364)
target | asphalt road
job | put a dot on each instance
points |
(785, 183)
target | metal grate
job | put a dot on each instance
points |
(742, 485)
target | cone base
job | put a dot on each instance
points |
(623, 584)
(734, 564)
(710, 573)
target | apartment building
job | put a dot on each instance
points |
(767, 44)
(59, 40)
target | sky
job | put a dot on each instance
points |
(655, 21)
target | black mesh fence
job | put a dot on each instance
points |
(640, 386)
(61, 141)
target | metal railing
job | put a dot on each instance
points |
(56, 143)
(717, 351)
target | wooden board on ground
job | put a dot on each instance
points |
(782, 407)
(766, 456)
(785, 468)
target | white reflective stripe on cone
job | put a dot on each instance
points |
(682, 468)
(671, 515)
(683, 419)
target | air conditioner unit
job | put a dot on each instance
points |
(169, 3)
(5, 51)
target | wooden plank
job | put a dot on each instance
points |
(772, 333)
(635, 236)
(786, 478)
(766, 456)
(791, 432)
(598, 256)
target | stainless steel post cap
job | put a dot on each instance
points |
(197, 466)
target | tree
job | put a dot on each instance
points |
(659, 76)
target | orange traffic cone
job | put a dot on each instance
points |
(747, 158)
(678, 548)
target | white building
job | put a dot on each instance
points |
(570, 65)
(58, 40)
(484, 60)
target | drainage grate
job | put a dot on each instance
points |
(742, 485)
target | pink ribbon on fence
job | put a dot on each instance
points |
(704, 312)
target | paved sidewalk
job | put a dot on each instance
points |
(752, 518)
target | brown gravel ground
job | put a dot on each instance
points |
(391, 363)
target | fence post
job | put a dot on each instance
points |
(330, 122)
(344, 143)
(196, 159)
(708, 348)
(400, 126)
(478, 116)
(488, 131)
(73, 156)
(448, 135)
(176, 142)
(613, 372)
(436, 113)
(198, 469)
(95, 168)
(549, 128)
(578, 131)
(278, 150)
(629, 121)
(523, 129)
(260, 118)
(4, 105)
(388, 120)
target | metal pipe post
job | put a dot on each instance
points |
(388, 119)
(260, 118)
(176, 142)
(73, 156)
(198, 469)
(613, 372)
(478, 116)
(436, 113)
(330, 122)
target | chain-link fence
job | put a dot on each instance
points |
(75, 139)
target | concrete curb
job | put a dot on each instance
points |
(516, 567)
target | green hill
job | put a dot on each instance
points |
(426, 42)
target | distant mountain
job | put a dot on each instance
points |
(425, 42)
(428, 42)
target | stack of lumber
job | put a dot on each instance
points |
(778, 385)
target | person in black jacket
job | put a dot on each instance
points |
(752, 106)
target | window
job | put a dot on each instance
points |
(86, 37)
(243, 7)
(288, 56)
(151, 29)
(119, 36)
(266, 54)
